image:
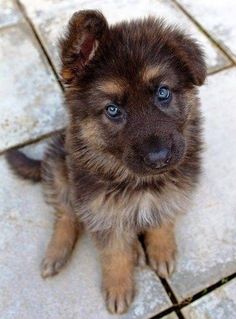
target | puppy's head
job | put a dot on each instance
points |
(131, 89)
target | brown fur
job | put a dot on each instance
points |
(161, 249)
(95, 174)
(23, 166)
(117, 284)
(112, 87)
(61, 245)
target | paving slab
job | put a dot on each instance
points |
(171, 316)
(9, 13)
(25, 228)
(219, 304)
(218, 19)
(206, 235)
(31, 100)
(22, 200)
(50, 18)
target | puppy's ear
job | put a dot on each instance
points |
(191, 58)
(86, 31)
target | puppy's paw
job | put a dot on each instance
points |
(162, 264)
(118, 298)
(52, 264)
(161, 250)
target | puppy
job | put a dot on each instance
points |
(129, 158)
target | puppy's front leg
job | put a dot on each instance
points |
(118, 259)
(161, 249)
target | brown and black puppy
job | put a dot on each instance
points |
(130, 157)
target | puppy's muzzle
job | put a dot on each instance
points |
(158, 158)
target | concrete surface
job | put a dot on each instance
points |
(9, 13)
(171, 316)
(219, 304)
(31, 100)
(218, 19)
(50, 17)
(207, 233)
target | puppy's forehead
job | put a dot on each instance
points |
(137, 56)
(159, 73)
(117, 85)
(151, 72)
(111, 86)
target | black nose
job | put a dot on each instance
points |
(158, 158)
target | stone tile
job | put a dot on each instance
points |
(171, 316)
(219, 304)
(25, 228)
(31, 103)
(207, 233)
(29, 208)
(218, 19)
(74, 293)
(50, 18)
(9, 13)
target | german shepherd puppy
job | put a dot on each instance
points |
(129, 158)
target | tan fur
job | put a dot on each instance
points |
(118, 284)
(92, 133)
(61, 245)
(111, 87)
(100, 162)
(67, 74)
(110, 211)
(92, 53)
(67, 227)
(161, 249)
(150, 72)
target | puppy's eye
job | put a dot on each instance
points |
(113, 111)
(163, 94)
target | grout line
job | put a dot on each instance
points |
(207, 290)
(164, 313)
(44, 51)
(47, 57)
(31, 141)
(10, 25)
(177, 306)
(208, 35)
(172, 297)
(169, 292)
(231, 66)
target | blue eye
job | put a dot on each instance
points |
(113, 111)
(163, 94)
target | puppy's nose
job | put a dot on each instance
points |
(158, 158)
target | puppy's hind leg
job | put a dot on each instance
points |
(67, 227)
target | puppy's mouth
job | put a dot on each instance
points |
(143, 170)
(158, 171)
(137, 165)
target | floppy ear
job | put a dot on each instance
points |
(191, 58)
(85, 32)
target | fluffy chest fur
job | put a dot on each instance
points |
(120, 210)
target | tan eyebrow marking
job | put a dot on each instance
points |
(150, 73)
(111, 87)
